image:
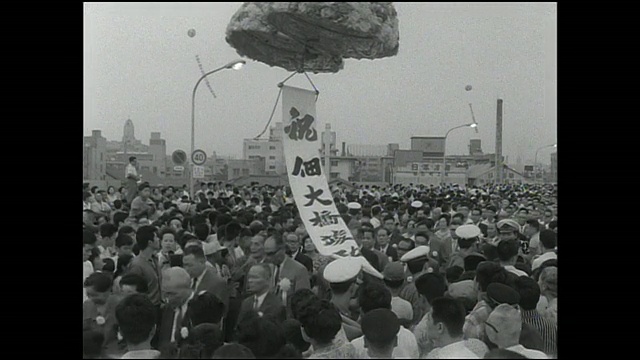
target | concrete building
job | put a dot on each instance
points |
(94, 156)
(245, 167)
(486, 174)
(272, 151)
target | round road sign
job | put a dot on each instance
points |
(198, 157)
(179, 157)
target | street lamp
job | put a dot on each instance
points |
(235, 65)
(444, 151)
(535, 163)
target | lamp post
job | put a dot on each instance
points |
(535, 163)
(444, 151)
(235, 65)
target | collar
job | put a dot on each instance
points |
(186, 303)
(142, 354)
(199, 278)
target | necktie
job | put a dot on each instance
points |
(178, 324)
(275, 278)
(255, 303)
(193, 284)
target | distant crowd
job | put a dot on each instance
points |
(233, 273)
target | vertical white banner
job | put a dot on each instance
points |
(307, 179)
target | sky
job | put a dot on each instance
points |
(140, 64)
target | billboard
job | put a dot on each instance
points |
(431, 146)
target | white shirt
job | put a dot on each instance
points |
(456, 350)
(177, 311)
(87, 270)
(375, 222)
(528, 353)
(131, 170)
(142, 354)
(534, 243)
(512, 269)
(542, 258)
(407, 345)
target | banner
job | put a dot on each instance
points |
(307, 179)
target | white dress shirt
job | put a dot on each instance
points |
(456, 350)
(542, 258)
(199, 279)
(260, 300)
(512, 269)
(407, 345)
(182, 309)
(528, 353)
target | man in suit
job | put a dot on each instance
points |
(203, 277)
(262, 301)
(382, 235)
(294, 248)
(176, 289)
(289, 275)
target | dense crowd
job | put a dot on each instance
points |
(233, 273)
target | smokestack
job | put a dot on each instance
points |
(499, 143)
(343, 149)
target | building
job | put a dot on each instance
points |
(94, 156)
(271, 151)
(428, 173)
(480, 175)
(245, 168)
(431, 146)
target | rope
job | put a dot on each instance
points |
(280, 84)
(205, 80)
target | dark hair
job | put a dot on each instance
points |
(321, 321)
(117, 204)
(529, 291)
(203, 340)
(458, 216)
(485, 272)
(86, 195)
(107, 230)
(293, 333)
(143, 186)
(300, 299)
(341, 287)
(122, 265)
(553, 224)
(431, 286)
(232, 231)
(393, 284)
(450, 312)
(263, 337)
(135, 280)
(233, 351)
(447, 217)
(206, 308)
(109, 265)
(534, 224)
(88, 238)
(223, 219)
(123, 240)
(126, 230)
(168, 230)
(136, 316)
(118, 218)
(131, 158)
(196, 251)
(374, 295)
(415, 266)
(99, 281)
(548, 239)
(388, 217)
(453, 273)
(507, 249)
(145, 235)
(92, 344)
(201, 231)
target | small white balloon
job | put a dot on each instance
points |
(468, 88)
(191, 33)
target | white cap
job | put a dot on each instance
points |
(395, 195)
(418, 252)
(211, 247)
(417, 204)
(342, 269)
(354, 206)
(468, 231)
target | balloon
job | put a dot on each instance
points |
(191, 33)
(468, 88)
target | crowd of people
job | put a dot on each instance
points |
(233, 273)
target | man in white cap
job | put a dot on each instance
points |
(355, 215)
(341, 274)
(503, 328)
(417, 261)
(468, 238)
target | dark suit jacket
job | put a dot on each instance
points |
(304, 260)
(214, 284)
(372, 258)
(271, 308)
(166, 325)
(391, 251)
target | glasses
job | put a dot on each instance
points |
(271, 253)
(491, 326)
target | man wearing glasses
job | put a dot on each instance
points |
(289, 275)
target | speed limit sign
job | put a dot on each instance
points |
(198, 157)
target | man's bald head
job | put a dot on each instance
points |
(176, 287)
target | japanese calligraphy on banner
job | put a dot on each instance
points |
(307, 179)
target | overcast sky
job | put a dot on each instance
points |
(139, 63)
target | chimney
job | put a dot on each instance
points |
(343, 149)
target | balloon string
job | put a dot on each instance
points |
(206, 80)
(314, 87)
